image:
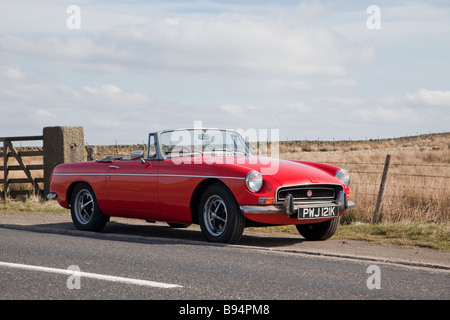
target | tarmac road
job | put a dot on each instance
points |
(134, 260)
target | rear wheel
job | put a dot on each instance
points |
(86, 214)
(219, 215)
(318, 231)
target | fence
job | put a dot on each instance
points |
(410, 191)
(9, 151)
(59, 145)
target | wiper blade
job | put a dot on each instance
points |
(228, 150)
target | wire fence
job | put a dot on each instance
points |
(413, 191)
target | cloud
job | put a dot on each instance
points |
(34, 105)
(311, 69)
(108, 89)
(44, 113)
(382, 114)
(236, 43)
(347, 82)
(236, 109)
(430, 97)
(279, 85)
(12, 72)
(300, 106)
(112, 96)
(107, 124)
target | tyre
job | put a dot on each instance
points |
(86, 214)
(318, 231)
(219, 215)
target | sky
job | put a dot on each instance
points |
(327, 70)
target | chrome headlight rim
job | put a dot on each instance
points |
(344, 176)
(254, 181)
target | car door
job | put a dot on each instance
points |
(132, 187)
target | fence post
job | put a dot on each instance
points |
(61, 145)
(5, 169)
(382, 188)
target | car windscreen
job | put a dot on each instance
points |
(179, 143)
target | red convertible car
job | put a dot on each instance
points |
(208, 177)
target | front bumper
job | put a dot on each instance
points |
(289, 207)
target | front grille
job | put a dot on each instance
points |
(317, 192)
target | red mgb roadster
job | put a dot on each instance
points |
(208, 177)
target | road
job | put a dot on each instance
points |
(178, 264)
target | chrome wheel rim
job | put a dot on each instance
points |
(84, 206)
(215, 215)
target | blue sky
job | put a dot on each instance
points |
(311, 69)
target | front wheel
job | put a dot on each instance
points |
(219, 215)
(318, 231)
(86, 214)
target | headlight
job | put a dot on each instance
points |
(254, 181)
(344, 176)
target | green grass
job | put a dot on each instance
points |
(407, 234)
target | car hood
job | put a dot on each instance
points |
(286, 172)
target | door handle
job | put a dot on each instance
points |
(114, 167)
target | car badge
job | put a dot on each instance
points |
(309, 193)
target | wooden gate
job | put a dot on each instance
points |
(9, 151)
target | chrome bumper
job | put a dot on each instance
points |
(288, 207)
(52, 196)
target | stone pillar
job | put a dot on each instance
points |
(61, 145)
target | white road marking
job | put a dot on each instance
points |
(90, 275)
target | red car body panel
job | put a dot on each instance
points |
(168, 190)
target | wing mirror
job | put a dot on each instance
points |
(137, 155)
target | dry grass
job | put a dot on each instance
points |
(418, 185)
(31, 204)
(19, 174)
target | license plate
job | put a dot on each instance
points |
(318, 212)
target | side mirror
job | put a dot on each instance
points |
(137, 155)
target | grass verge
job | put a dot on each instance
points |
(407, 234)
(32, 205)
